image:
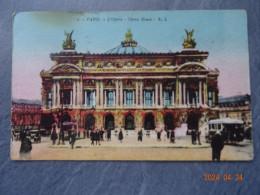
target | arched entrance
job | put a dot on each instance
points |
(149, 122)
(129, 122)
(109, 122)
(169, 122)
(89, 122)
(66, 117)
(193, 121)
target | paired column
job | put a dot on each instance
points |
(97, 93)
(161, 94)
(177, 90)
(121, 92)
(180, 92)
(117, 94)
(205, 93)
(200, 93)
(74, 94)
(101, 94)
(184, 93)
(156, 94)
(136, 93)
(141, 94)
(54, 94)
(58, 93)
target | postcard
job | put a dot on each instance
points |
(137, 86)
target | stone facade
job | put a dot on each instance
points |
(129, 87)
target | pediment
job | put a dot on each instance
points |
(193, 66)
(65, 68)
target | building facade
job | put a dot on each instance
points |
(26, 112)
(238, 107)
(130, 88)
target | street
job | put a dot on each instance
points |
(149, 149)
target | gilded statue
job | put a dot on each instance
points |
(69, 44)
(189, 42)
(128, 35)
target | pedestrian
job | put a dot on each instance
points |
(109, 135)
(168, 132)
(78, 133)
(120, 135)
(193, 136)
(22, 135)
(92, 135)
(25, 149)
(217, 144)
(159, 135)
(140, 135)
(172, 137)
(198, 132)
(54, 136)
(73, 139)
(97, 137)
(84, 133)
(102, 135)
(88, 133)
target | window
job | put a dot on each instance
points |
(148, 98)
(129, 98)
(49, 100)
(89, 99)
(210, 98)
(167, 98)
(110, 98)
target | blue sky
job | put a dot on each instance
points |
(222, 33)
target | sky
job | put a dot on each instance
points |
(38, 34)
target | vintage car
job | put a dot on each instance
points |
(231, 129)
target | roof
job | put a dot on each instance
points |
(226, 121)
(238, 98)
(23, 101)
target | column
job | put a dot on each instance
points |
(114, 98)
(173, 97)
(71, 96)
(200, 94)
(74, 93)
(161, 94)
(177, 90)
(121, 93)
(213, 98)
(97, 93)
(141, 94)
(58, 93)
(101, 94)
(133, 95)
(78, 93)
(184, 93)
(94, 98)
(81, 92)
(136, 93)
(124, 98)
(156, 94)
(153, 99)
(105, 98)
(180, 93)
(117, 93)
(188, 97)
(85, 98)
(205, 93)
(54, 94)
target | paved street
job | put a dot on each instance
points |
(131, 149)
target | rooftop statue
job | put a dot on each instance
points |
(128, 35)
(68, 44)
(189, 42)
